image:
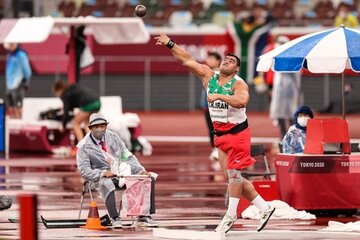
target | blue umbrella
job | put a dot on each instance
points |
(329, 51)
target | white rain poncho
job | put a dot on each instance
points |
(285, 95)
(92, 161)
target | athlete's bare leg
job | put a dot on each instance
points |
(248, 191)
(223, 159)
(78, 119)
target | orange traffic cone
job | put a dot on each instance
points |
(93, 220)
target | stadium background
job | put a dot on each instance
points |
(145, 76)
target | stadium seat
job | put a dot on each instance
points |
(237, 7)
(110, 11)
(100, 4)
(222, 18)
(86, 10)
(196, 7)
(180, 19)
(127, 11)
(213, 8)
(282, 10)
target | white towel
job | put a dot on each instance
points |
(282, 211)
(334, 226)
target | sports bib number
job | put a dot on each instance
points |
(218, 111)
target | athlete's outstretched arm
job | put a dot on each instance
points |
(202, 71)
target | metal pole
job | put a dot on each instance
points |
(102, 83)
(72, 57)
(192, 94)
(7, 137)
(37, 8)
(326, 90)
(147, 85)
(57, 72)
(343, 94)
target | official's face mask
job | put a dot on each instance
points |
(98, 134)
(302, 121)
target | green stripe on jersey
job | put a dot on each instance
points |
(214, 87)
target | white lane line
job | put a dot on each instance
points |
(188, 234)
(206, 139)
(203, 139)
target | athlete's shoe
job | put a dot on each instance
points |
(265, 216)
(225, 224)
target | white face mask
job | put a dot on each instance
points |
(302, 121)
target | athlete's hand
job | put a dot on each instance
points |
(213, 97)
(162, 39)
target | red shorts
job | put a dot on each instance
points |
(237, 147)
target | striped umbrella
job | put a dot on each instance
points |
(329, 51)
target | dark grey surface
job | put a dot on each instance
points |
(173, 93)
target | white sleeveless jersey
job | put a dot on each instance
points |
(221, 111)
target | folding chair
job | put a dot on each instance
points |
(87, 189)
(280, 146)
(255, 151)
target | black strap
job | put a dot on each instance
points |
(238, 128)
(98, 119)
(170, 44)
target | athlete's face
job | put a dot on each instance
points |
(229, 65)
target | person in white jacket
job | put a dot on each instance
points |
(96, 153)
(285, 97)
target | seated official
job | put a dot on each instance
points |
(96, 151)
(294, 139)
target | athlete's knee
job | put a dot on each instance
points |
(234, 176)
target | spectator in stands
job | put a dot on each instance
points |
(213, 60)
(259, 22)
(18, 74)
(259, 16)
(294, 140)
(96, 151)
(345, 17)
(76, 96)
(285, 96)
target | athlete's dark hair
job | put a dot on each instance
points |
(216, 55)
